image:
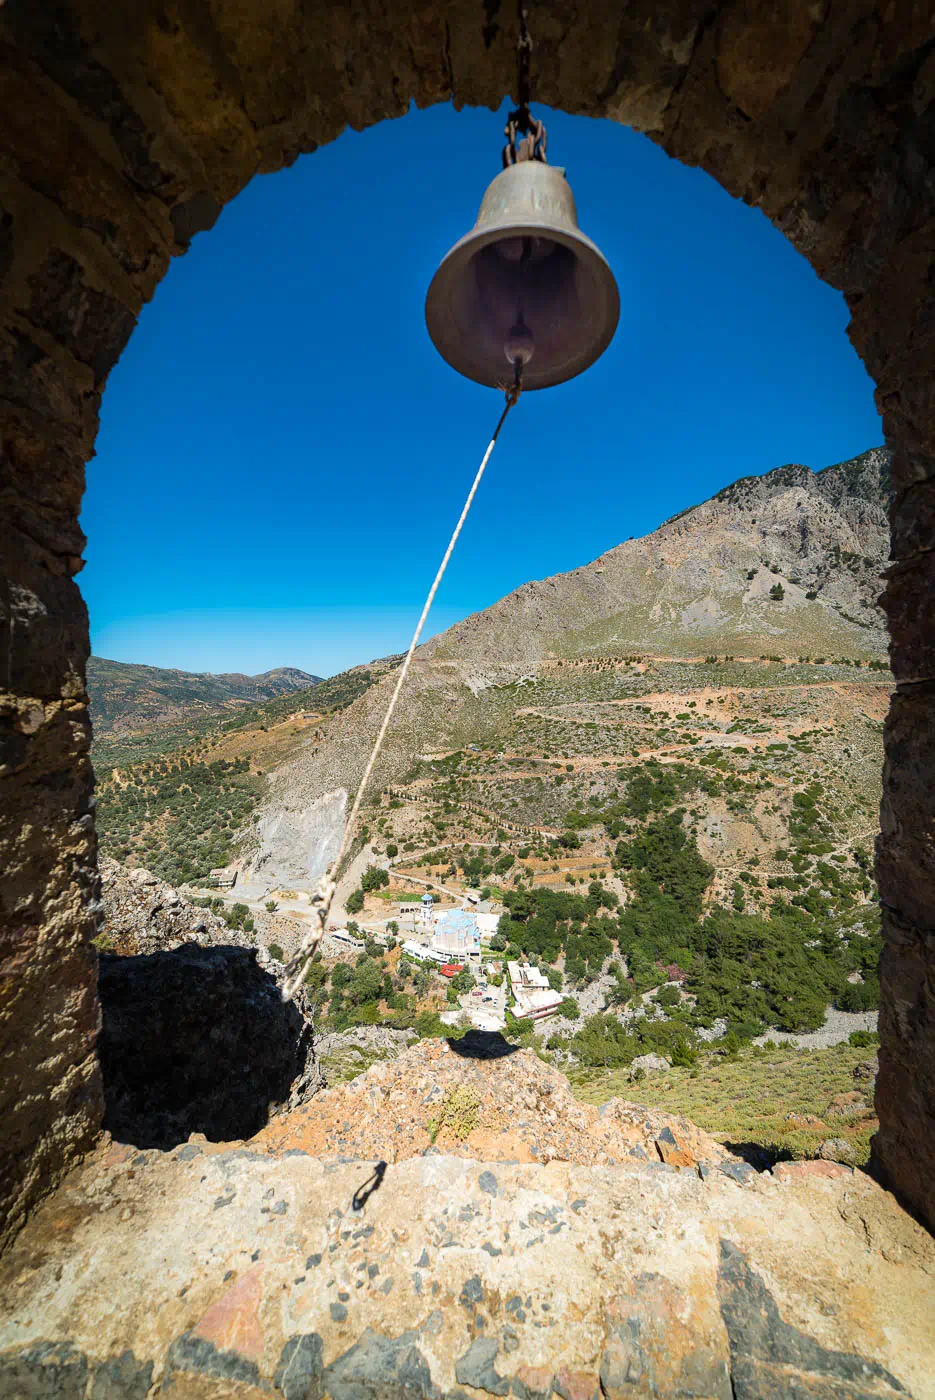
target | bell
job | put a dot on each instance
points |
(524, 291)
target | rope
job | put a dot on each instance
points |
(324, 896)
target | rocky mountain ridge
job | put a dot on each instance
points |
(126, 696)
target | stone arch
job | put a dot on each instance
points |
(126, 131)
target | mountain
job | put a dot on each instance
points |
(786, 565)
(126, 697)
(703, 580)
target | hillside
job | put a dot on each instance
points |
(127, 698)
(787, 565)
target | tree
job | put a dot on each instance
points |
(374, 878)
(271, 906)
(777, 593)
(392, 849)
(354, 902)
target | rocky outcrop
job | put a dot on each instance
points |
(481, 1097)
(143, 914)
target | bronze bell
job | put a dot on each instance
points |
(524, 286)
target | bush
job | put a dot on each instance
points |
(374, 878)
(276, 952)
(862, 1040)
(860, 996)
(354, 902)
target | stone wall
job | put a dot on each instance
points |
(126, 130)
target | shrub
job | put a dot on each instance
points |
(354, 902)
(276, 952)
(862, 1040)
(374, 878)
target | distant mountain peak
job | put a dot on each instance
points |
(128, 695)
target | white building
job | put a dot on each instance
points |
(531, 991)
(421, 952)
(341, 935)
(456, 934)
(418, 913)
(487, 924)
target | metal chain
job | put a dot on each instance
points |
(324, 895)
(522, 122)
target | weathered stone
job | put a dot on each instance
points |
(836, 1150)
(577, 1385)
(769, 1356)
(650, 1064)
(199, 1356)
(476, 1367)
(804, 1171)
(121, 1378)
(300, 1370)
(380, 1368)
(532, 1382)
(44, 1371)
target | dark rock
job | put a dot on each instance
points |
(476, 1367)
(122, 1378)
(190, 1353)
(44, 1371)
(488, 1182)
(769, 1357)
(380, 1368)
(472, 1292)
(299, 1373)
(174, 1024)
(738, 1171)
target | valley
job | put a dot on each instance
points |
(678, 835)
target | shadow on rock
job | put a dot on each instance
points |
(198, 1040)
(483, 1045)
(761, 1158)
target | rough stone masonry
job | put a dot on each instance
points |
(127, 128)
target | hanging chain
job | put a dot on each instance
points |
(522, 123)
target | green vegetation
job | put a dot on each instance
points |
(178, 816)
(457, 1116)
(760, 1095)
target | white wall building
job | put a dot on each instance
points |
(421, 952)
(531, 991)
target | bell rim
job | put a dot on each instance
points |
(476, 239)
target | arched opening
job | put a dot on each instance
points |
(127, 136)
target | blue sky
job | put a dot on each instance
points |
(283, 454)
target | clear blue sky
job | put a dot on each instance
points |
(282, 453)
